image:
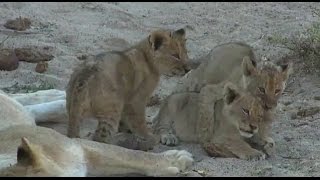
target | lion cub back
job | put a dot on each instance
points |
(222, 63)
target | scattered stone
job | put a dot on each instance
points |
(286, 103)
(316, 98)
(19, 24)
(82, 57)
(154, 100)
(308, 111)
(34, 54)
(293, 115)
(288, 139)
(41, 67)
(8, 60)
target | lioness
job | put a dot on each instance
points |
(115, 86)
(30, 150)
(221, 118)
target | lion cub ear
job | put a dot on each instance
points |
(27, 153)
(286, 70)
(231, 93)
(249, 66)
(157, 39)
(180, 33)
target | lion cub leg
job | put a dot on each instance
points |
(74, 123)
(262, 140)
(108, 122)
(233, 147)
(106, 129)
(136, 122)
(163, 121)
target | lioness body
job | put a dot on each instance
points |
(30, 150)
(115, 86)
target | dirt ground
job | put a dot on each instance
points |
(73, 29)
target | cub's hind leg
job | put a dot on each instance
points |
(108, 117)
(76, 113)
(74, 125)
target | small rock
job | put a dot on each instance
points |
(293, 115)
(287, 138)
(8, 60)
(154, 100)
(41, 67)
(308, 111)
(286, 103)
(82, 56)
(34, 54)
(19, 24)
(316, 98)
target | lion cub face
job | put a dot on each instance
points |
(168, 49)
(266, 82)
(245, 110)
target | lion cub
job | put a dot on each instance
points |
(237, 63)
(221, 118)
(115, 86)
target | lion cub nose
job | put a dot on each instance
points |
(253, 127)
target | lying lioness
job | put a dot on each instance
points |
(30, 150)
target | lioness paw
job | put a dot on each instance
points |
(168, 139)
(178, 161)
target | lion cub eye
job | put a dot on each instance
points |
(262, 90)
(245, 111)
(277, 91)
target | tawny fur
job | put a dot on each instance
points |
(115, 86)
(236, 62)
(30, 150)
(221, 118)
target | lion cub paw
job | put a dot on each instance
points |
(148, 143)
(269, 146)
(178, 161)
(256, 155)
(168, 139)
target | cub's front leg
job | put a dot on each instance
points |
(134, 118)
(233, 147)
(262, 140)
(163, 121)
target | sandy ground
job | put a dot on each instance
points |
(86, 28)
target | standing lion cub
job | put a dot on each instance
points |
(114, 87)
